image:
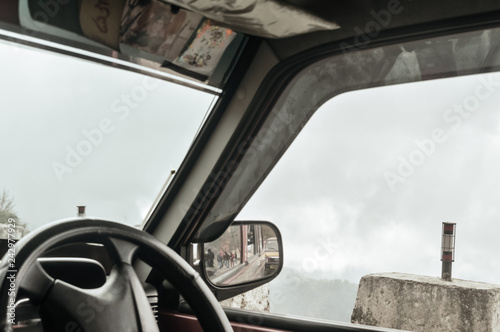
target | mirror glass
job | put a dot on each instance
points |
(247, 251)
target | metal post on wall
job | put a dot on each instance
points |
(448, 249)
(81, 211)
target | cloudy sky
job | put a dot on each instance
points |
(78, 133)
(366, 185)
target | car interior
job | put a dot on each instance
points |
(257, 72)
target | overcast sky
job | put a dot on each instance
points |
(127, 132)
(341, 217)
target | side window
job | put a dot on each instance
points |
(366, 185)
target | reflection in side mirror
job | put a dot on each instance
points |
(246, 252)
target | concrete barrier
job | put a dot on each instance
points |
(421, 303)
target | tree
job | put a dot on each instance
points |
(6, 212)
(267, 232)
(7, 208)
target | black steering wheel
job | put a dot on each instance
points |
(121, 303)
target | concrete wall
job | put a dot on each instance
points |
(420, 303)
(257, 300)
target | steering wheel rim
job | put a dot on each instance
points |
(126, 241)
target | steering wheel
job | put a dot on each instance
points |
(121, 303)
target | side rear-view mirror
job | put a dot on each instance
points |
(247, 255)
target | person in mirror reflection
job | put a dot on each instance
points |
(219, 259)
(226, 259)
(232, 259)
(210, 258)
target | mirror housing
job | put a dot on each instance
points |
(247, 255)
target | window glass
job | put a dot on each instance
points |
(74, 132)
(367, 184)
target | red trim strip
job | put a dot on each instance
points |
(173, 321)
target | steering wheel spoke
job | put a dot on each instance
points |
(125, 250)
(119, 305)
(37, 282)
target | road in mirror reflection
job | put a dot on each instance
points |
(242, 254)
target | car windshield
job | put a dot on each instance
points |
(78, 133)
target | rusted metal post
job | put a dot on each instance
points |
(448, 249)
(81, 211)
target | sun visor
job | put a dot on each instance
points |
(196, 40)
(263, 18)
(152, 34)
